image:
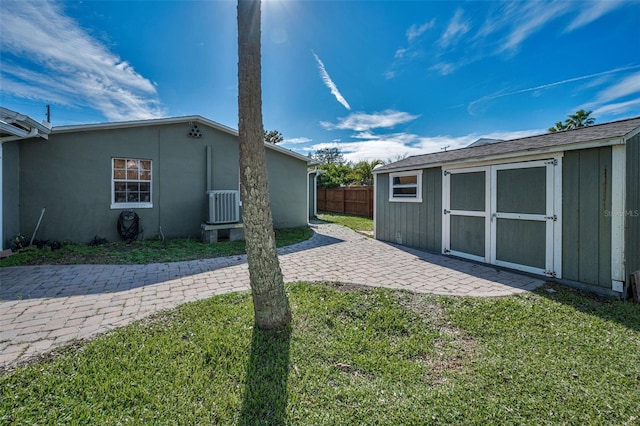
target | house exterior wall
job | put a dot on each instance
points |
(417, 225)
(70, 175)
(287, 189)
(10, 191)
(586, 233)
(632, 209)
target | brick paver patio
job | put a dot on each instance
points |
(44, 307)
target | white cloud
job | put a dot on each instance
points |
(297, 140)
(361, 122)
(385, 147)
(529, 19)
(614, 99)
(590, 11)
(617, 108)
(507, 25)
(444, 68)
(456, 29)
(326, 79)
(416, 31)
(68, 66)
(628, 86)
(625, 87)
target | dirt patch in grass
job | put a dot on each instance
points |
(453, 348)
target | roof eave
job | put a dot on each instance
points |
(621, 140)
(166, 121)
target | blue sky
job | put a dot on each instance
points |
(377, 79)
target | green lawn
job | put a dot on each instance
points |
(142, 252)
(351, 356)
(357, 223)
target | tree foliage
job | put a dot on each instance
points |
(581, 118)
(337, 172)
(362, 172)
(335, 175)
(273, 136)
(329, 156)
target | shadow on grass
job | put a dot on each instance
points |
(265, 388)
(624, 312)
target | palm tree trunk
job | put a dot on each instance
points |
(271, 305)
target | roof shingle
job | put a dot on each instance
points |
(600, 132)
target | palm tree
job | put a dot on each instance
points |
(580, 119)
(363, 171)
(560, 126)
(270, 302)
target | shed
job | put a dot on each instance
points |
(563, 205)
(176, 174)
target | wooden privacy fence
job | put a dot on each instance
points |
(356, 200)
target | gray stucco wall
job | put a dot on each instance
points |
(416, 225)
(586, 233)
(70, 175)
(287, 189)
(632, 215)
(10, 191)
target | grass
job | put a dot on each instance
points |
(357, 223)
(351, 356)
(143, 252)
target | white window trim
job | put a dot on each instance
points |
(115, 205)
(417, 198)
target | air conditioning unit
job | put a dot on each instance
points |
(224, 207)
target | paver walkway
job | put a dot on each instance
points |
(43, 307)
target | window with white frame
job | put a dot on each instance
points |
(406, 186)
(130, 183)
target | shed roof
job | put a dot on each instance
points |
(598, 135)
(171, 120)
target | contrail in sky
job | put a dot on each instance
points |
(546, 86)
(330, 84)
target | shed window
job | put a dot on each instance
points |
(406, 187)
(130, 183)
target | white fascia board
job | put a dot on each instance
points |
(515, 155)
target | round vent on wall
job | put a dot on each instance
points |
(195, 132)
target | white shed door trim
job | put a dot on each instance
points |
(468, 225)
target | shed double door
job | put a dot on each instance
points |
(504, 215)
